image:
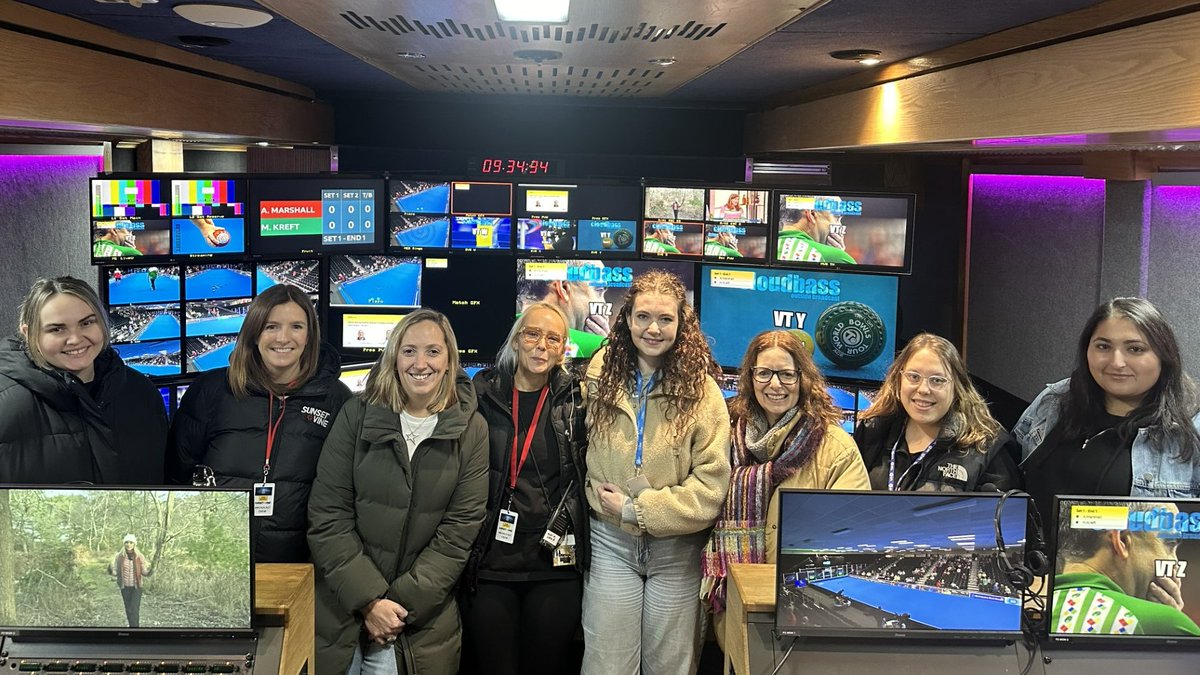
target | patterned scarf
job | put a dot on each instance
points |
(740, 533)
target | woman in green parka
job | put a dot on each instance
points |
(399, 497)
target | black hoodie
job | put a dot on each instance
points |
(229, 436)
(53, 431)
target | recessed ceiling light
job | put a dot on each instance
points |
(538, 56)
(222, 16)
(411, 55)
(663, 62)
(533, 11)
(262, 144)
(866, 57)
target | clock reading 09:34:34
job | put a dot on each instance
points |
(507, 166)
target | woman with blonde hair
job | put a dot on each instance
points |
(786, 434)
(930, 430)
(398, 500)
(658, 470)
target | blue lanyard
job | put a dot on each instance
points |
(642, 394)
(916, 460)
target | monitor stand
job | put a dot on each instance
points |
(171, 655)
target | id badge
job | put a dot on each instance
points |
(506, 526)
(264, 499)
(637, 484)
(564, 555)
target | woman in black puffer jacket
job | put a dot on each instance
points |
(70, 410)
(268, 412)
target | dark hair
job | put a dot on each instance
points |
(1168, 407)
(814, 403)
(683, 367)
(246, 366)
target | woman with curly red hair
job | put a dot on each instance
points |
(658, 471)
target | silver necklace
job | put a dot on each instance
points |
(416, 429)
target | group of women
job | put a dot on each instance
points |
(505, 513)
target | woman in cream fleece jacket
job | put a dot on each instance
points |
(658, 471)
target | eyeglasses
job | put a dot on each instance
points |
(786, 377)
(532, 336)
(935, 382)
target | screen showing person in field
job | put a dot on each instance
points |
(847, 320)
(128, 285)
(211, 282)
(303, 274)
(86, 559)
(122, 239)
(1121, 568)
(675, 203)
(843, 230)
(368, 331)
(152, 357)
(374, 281)
(877, 563)
(588, 292)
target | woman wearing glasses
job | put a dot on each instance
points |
(930, 430)
(786, 433)
(523, 583)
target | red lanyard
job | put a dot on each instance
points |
(515, 466)
(272, 428)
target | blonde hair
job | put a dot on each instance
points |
(30, 312)
(383, 382)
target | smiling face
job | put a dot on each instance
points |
(1123, 364)
(282, 342)
(536, 360)
(421, 364)
(70, 336)
(653, 325)
(773, 396)
(925, 402)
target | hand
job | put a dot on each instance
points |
(611, 499)
(596, 324)
(836, 240)
(1166, 591)
(212, 234)
(384, 620)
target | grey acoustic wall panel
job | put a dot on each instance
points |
(1173, 264)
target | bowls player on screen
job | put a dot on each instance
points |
(812, 235)
(930, 430)
(1125, 422)
(722, 244)
(659, 239)
(786, 433)
(113, 242)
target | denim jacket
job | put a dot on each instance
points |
(1156, 472)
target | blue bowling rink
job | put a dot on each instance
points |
(188, 239)
(132, 351)
(947, 612)
(434, 200)
(134, 287)
(218, 283)
(429, 235)
(217, 358)
(398, 286)
(220, 325)
(264, 281)
(161, 327)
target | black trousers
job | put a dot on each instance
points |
(132, 595)
(513, 628)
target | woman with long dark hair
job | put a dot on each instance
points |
(658, 471)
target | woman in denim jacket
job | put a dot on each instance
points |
(1124, 423)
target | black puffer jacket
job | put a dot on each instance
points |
(945, 468)
(229, 436)
(52, 431)
(566, 410)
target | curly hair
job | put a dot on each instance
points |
(682, 368)
(969, 421)
(814, 403)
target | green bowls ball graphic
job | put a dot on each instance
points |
(850, 334)
(804, 338)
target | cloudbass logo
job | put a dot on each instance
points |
(1180, 525)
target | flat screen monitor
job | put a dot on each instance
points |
(208, 237)
(481, 199)
(374, 281)
(577, 220)
(590, 292)
(165, 393)
(78, 545)
(304, 215)
(137, 323)
(208, 217)
(218, 280)
(1116, 560)
(672, 239)
(481, 233)
(361, 333)
(850, 319)
(209, 352)
(474, 292)
(303, 274)
(208, 197)
(418, 215)
(355, 375)
(129, 198)
(861, 231)
(130, 239)
(896, 565)
(154, 358)
(127, 285)
(472, 368)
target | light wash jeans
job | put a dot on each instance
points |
(641, 606)
(380, 660)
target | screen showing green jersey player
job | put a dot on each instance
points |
(118, 239)
(799, 246)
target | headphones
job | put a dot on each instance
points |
(1036, 563)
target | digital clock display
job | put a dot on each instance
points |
(515, 166)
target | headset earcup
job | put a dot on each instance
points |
(1020, 577)
(1038, 561)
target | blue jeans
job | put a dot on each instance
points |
(641, 606)
(380, 660)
